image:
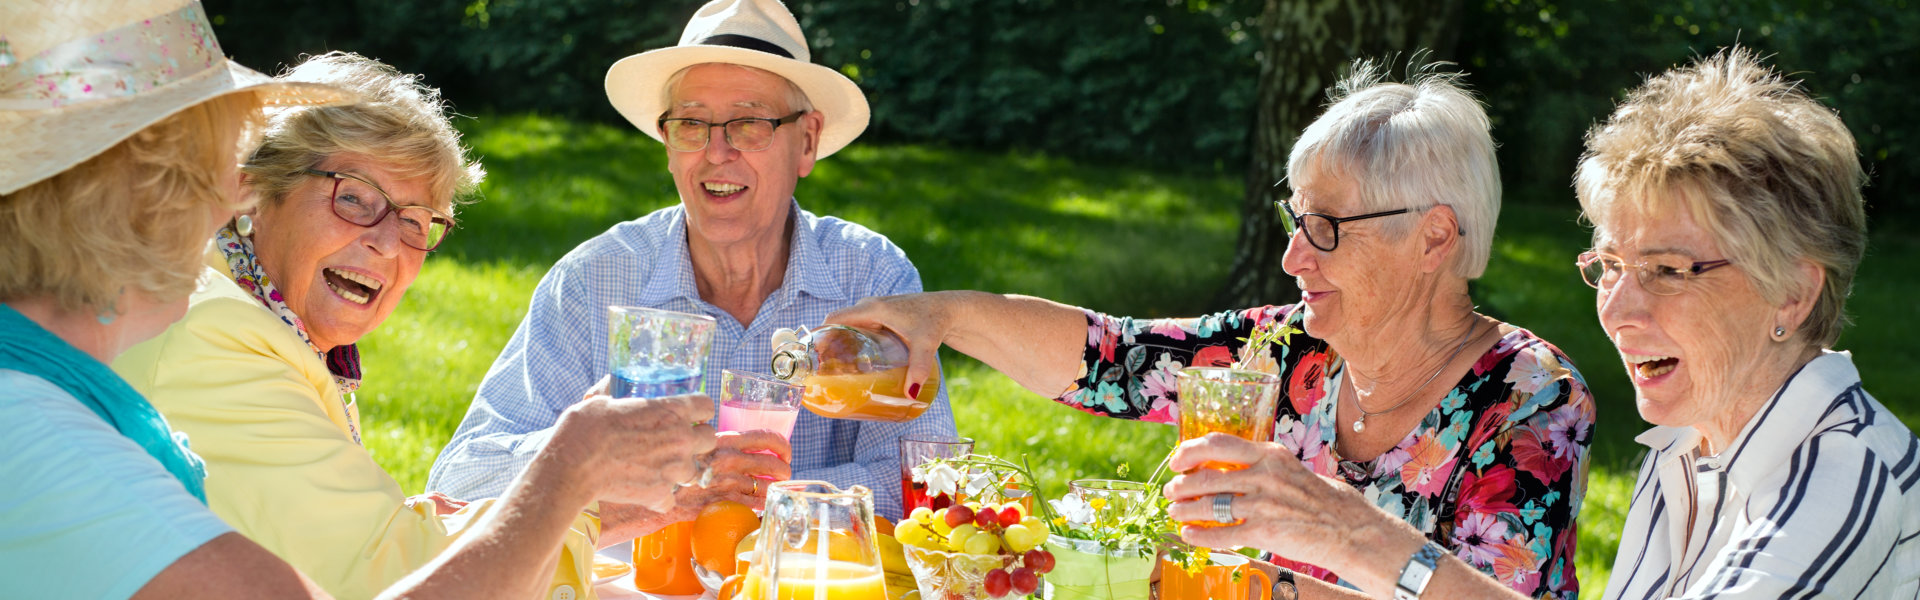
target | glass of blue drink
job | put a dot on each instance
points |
(654, 353)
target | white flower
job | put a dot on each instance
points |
(979, 482)
(941, 478)
(1073, 509)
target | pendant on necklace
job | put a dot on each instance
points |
(1360, 424)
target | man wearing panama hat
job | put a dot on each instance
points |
(121, 127)
(743, 115)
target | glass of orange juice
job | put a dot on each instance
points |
(663, 561)
(1236, 402)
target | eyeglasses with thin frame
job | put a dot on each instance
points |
(1660, 276)
(746, 134)
(421, 227)
(1323, 231)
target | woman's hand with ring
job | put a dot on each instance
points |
(1280, 506)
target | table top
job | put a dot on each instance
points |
(622, 588)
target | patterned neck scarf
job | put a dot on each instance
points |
(343, 361)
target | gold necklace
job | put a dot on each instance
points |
(1360, 425)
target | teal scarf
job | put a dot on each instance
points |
(27, 348)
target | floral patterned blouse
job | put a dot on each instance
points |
(1495, 473)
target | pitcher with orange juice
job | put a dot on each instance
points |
(817, 542)
(850, 373)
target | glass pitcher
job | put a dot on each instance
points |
(817, 542)
(850, 373)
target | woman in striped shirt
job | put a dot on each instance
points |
(1728, 227)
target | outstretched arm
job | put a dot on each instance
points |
(1035, 341)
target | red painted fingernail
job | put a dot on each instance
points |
(913, 391)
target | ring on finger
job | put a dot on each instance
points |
(1223, 508)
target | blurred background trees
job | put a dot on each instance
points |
(1199, 85)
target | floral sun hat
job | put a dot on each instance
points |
(78, 77)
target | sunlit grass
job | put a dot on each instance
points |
(1122, 241)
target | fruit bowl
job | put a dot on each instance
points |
(955, 576)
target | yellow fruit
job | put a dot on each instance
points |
(1021, 538)
(1034, 523)
(939, 524)
(983, 543)
(957, 539)
(893, 558)
(902, 586)
(912, 533)
(922, 514)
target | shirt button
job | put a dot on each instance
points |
(563, 592)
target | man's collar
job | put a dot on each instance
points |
(804, 272)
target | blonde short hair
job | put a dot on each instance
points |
(1409, 145)
(1770, 173)
(133, 218)
(398, 120)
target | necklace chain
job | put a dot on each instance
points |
(1360, 424)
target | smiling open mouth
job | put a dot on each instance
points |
(1649, 367)
(723, 190)
(356, 288)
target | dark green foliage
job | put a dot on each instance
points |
(1163, 82)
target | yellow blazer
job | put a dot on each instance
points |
(264, 412)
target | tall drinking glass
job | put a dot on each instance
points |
(1117, 498)
(653, 353)
(916, 450)
(1236, 402)
(752, 402)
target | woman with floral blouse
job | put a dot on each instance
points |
(1473, 431)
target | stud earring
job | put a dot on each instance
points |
(243, 225)
(1779, 333)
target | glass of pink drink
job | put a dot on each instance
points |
(749, 402)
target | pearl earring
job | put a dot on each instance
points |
(243, 225)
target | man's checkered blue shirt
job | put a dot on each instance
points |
(559, 349)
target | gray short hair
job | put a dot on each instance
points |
(1409, 145)
(1770, 173)
(399, 121)
(796, 98)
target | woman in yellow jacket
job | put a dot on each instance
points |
(261, 372)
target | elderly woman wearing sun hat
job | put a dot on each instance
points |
(1728, 225)
(121, 126)
(262, 370)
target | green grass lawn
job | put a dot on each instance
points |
(1119, 240)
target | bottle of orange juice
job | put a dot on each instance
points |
(850, 373)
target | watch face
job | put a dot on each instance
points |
(1284, 590)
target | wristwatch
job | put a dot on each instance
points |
(1419, 570)
(1283, 586)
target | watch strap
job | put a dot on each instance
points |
(1419, 571)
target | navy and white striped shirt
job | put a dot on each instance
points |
(1816, 498)
(560, 349)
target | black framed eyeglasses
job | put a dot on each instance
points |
(746, 134)
(1323, 231)
(353, 200)
(1660, 276)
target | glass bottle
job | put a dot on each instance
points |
(850, 373)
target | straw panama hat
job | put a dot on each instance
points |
(78, 77)
(754, 33)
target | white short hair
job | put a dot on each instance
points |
(796, 98)
(1409, 145)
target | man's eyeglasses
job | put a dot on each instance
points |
(360, 202)
(1660, 276)
(746, 134)
(1323, 231)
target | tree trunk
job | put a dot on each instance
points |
(1307, 47)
